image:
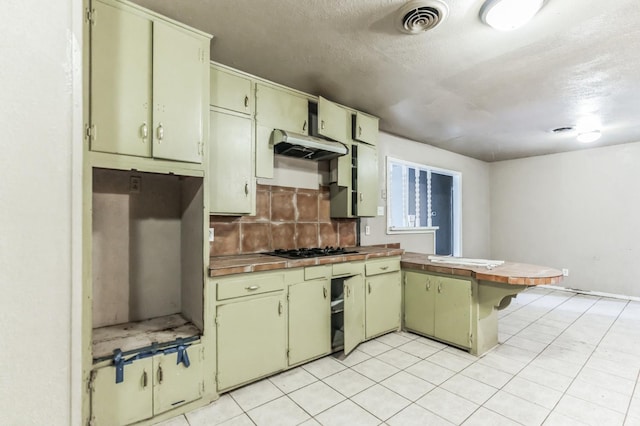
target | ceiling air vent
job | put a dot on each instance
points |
(417, 16)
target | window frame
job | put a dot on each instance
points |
(456, 199)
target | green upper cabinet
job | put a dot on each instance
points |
(365, 128)
(333, 121)
(281, 109)
(231, 182)
(231, 91)
(366, 189)
(149, 78)
(121, 66)
(231, 141)
(354, 191)
(179, 68)
(276, 108)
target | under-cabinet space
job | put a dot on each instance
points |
(147, 257)
(337, 314)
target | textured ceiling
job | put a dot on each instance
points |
(462, 86)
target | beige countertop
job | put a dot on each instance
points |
(238, 264)
(508, 273)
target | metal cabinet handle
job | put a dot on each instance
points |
(359, 131)
(440, 288)
(361, 196)
(322, 124)
(346, 290)
(246, 101)
(144, 131)
(252, 288)
(160, 375)
(145, 379)
(280, 308)
(384, 268)
(428, 286)
(160, 132)
(304, 126)
(324, 291)
(246, 188)
(369, 285)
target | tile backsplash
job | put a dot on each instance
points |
(285, 218)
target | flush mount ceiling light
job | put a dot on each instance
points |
(590, 136)
(507, 15)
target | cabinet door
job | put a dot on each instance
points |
(453, 311)
(333, 121)
(309, 320)
(383, 295)
(230, 91)
(280, 109)
(251, 340)
(367, 181)
(365, 129)
(175, 384)
(126, 402)
(353, 313)
(121, 81)
(179, 74)
(419, 303)
(264, 151)
(230, 164)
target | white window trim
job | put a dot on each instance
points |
(457, 204)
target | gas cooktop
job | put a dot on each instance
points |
(304, 253)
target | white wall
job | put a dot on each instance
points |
(475, 196)
(576, 210)
(40, 211)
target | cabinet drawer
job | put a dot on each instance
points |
(313, 272)
(248, 285)
(346, 268)
(382, 266)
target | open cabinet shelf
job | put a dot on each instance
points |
(147, 245)
(131, 337)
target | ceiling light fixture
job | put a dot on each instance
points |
(590, 136)
(507, 15)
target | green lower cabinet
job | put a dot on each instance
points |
(175, 384)
(126, 402)
(419, 303)
(383, 303)
(453, 311)
(150, 387)
(251, 340)
(354, 314)
(309, 320)
(439, 307)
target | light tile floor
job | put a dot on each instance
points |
(564, 359)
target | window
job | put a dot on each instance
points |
(424, 199)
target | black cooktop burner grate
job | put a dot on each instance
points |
(304, 253)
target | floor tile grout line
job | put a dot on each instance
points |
(586, 361)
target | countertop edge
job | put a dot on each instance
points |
(511, 273)
(239, 264)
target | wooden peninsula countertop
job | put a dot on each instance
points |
(241, 263)
(507, 273)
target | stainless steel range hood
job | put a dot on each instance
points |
(307, 147)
